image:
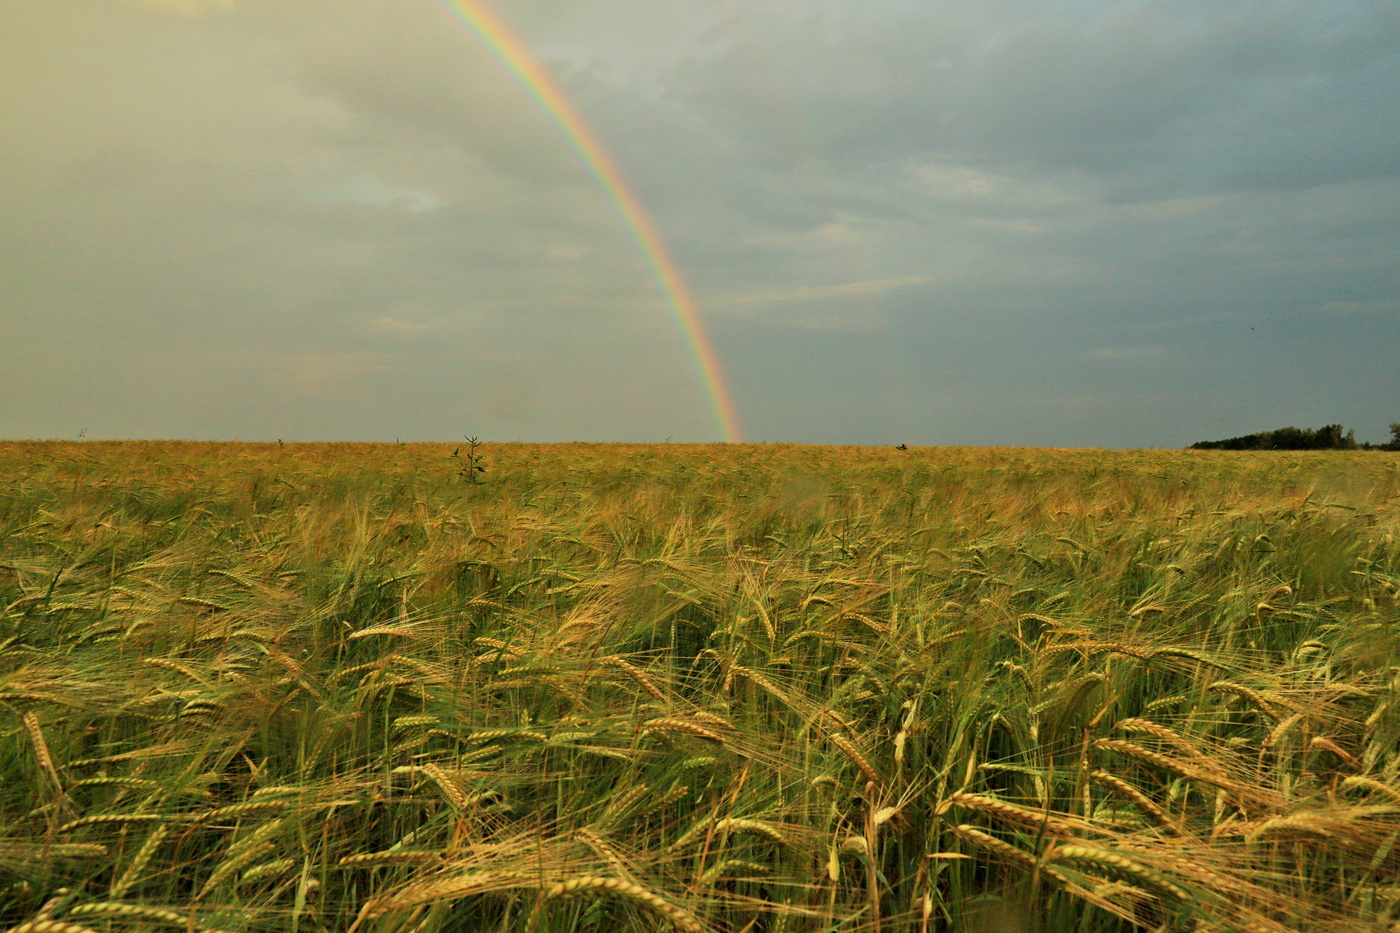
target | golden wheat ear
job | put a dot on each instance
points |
(635, 893)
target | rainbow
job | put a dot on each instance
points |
(512, 53)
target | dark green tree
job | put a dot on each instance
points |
(1327, 437)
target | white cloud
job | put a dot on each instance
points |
(368, 191)
(840, 290)
(1133, 353)
(181, 7)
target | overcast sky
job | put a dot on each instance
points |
(1112, 224)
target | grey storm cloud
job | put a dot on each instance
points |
(1113, 224)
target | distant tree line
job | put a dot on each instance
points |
(1327, 437)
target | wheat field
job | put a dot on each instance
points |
(739, 688)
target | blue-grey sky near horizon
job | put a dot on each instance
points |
(1109, 224)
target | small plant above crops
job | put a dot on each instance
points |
(704, 688)
(472, 462)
